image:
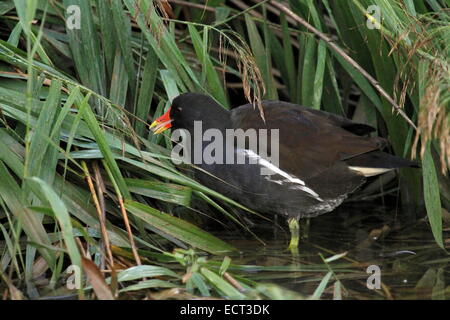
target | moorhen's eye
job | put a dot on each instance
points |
(179, 109)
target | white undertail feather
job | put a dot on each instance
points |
(370, 172)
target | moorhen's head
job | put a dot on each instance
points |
(190, 107)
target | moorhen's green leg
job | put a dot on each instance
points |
(294, 228)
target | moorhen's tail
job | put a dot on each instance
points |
(378, 162)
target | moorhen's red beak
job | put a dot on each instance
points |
(162, 123)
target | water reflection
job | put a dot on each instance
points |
(412, 265)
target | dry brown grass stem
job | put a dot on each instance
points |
(102, 218)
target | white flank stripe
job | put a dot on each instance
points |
(263, 162)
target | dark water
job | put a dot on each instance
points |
(411, 265)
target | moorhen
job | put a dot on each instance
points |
(322, 157)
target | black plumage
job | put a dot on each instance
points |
(330, 154)
(322, 157)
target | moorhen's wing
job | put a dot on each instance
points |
(310, 141)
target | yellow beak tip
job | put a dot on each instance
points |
(153, 124)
